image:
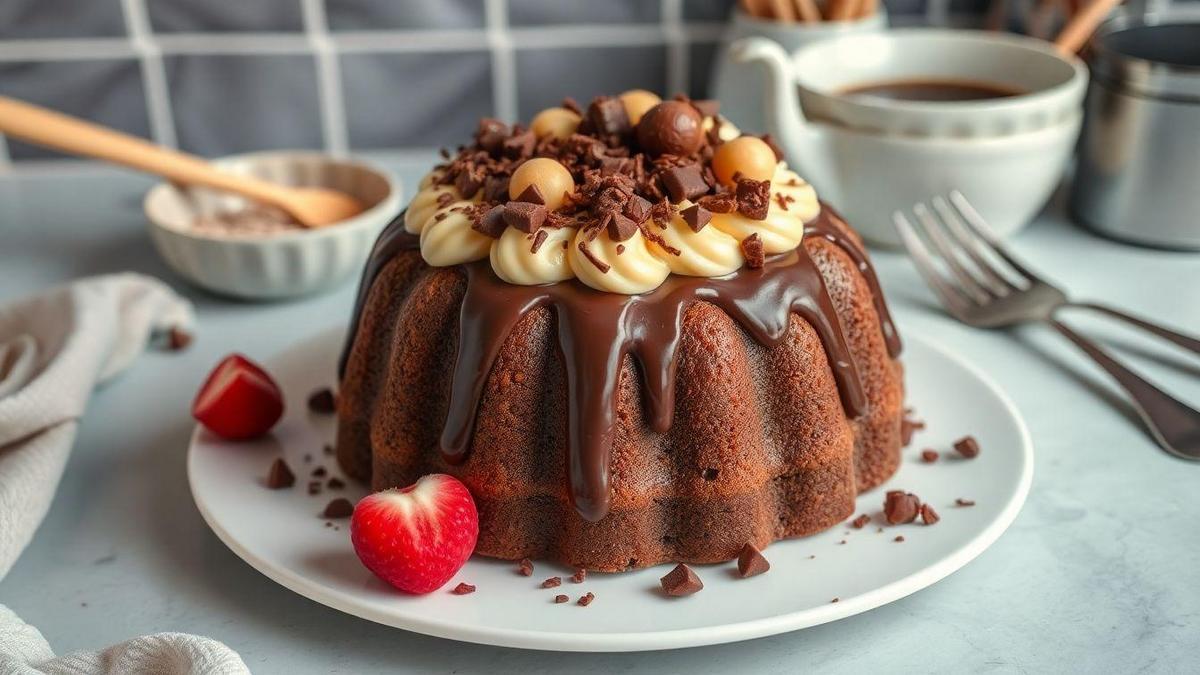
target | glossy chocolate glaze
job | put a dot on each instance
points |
(596, 330)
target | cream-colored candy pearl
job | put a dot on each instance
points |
(746, 155)
(637, 102)
(551, 178)
(557, 122)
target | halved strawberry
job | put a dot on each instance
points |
(416, 538)
(239, 400)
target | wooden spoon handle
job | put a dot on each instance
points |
(74, 136)
(1077, 31)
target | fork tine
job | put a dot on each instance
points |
(980, 227)
(934, 232)
(951, 297)
(973, 247)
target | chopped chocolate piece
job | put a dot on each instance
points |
(328, 449)
(492, 223)
(467, 184)
(725, 202)
(580, 576)
(491, 134)
(178, 339)
(685, 182)
(908, 427)
(681, 581)
(860, 522)
(620, 249)
(899, 538)
(696, 217)
(591, 257)
(929, 456)
(322, 401)
(319, 472)
(620, 228)
(279, 476)
(524, 216)
(560, 599)
(538, 240)
(463, 589)
(335, 483)
(586, 599)
(968, 447)
(752, 249)
(835, 600)
(637, 209)
(314, 488)
(928, 515)
(525, 567)
(339, 508)
(521, 145)
(901, 507)
(307, 458)
(708, 107)
(495, 189)
(608, 116)
(770, 141)
(964, 502)
(842, 542)
(754, 198)
(751, 562)
(552, 582)
(532, 195)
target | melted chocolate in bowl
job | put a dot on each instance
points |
(932, 90)
(596, 330)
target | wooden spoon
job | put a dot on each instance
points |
(1077, 31)
(311, 207)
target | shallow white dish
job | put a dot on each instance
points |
(281, 534)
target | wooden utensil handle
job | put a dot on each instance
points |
(74, 136)
(1077, 31)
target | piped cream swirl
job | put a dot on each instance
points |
(707, 253)
(632, 266)
(514, 260)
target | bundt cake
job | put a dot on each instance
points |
(632, 332)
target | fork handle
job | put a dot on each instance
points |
(1185, 341)
(1174, 425)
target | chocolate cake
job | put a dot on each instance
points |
(632, 332)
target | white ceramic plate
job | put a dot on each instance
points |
(281, 533)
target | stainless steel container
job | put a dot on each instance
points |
(1138, 177)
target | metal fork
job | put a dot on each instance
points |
(989, 288)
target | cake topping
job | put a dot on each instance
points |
(524, 216)
(696, 217)
(753, 198)
(751, 562)
(338, 508)
(968, 447)
(745, 155)
(280, 476)
(671, 128)
(681, 581)
(928, 515)
(685, 182)
(901, 507)
(322, 401)
(637, 102)
(557, 123)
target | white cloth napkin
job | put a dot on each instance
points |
(55, 348)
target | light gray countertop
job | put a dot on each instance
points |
(1099, 572)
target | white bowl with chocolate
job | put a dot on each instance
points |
(229, 245)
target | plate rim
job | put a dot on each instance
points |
(668, 639)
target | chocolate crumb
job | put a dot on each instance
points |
(319, 472)
(322, 401)
(752, 249)
(552, 582)
(899, 538)
(696, 217)
(280, 476)
(754, 198)
(560, 599)
(538, 240)
(842, 542)
(620, 228)
(929, 456)
(901, 507)
(335, 483)
(532, 195)
(591, 257)
(586, 599)
(525, 567)
(836, 600)
(307, 458)
(928, 515)
(463, 589)
(491, 223)
(964, 502)
(681, 581)
(579, 576)
(860, 522)
(314, 488)
(339, 508)
(178, 339)
(968, 447)
(328, 449)
(726, 202)
(751, 562)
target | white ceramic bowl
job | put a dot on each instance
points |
(274, 266)
(1055, 85)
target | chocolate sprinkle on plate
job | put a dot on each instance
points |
(860, 522)
(335, 483)
(681, 581)
(339, 508)
(319, 472)
(560, 599)
(463, 589)
(964, 502)
(899, 538)
(586, 599)
(929, 456)
(280, 476)
(968, 447)
(928, 515)
(901, 507)
(751, 562)
(552, 582)
(525, 567)
(178, 339)
(322, 401)
(579, 576)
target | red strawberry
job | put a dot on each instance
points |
(239, 400)
(418, 537)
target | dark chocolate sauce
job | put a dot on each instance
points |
(596, 330)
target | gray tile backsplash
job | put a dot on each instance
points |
(346, 15)
(222, 16)
(585, 72)
(550, 12)
(36, 19)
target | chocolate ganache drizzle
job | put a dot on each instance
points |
(597, 329)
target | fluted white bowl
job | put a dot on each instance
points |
(281, 265)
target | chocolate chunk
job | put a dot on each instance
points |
(860, 522)
(335, 483)
(681, 581)
(521, 145)
(901, 507)
(928, 515)
(525, 567)
(524, 216)
(328, 449)
(339, 508)
(552, 582)
(708, 107)
(620, 228)
(314, 488)
(752, 249)
(608, 116)
(671, 128)
(579, 576)
(929, 456)
(753, 198)
(637, 209)
(279, 476)
(532, 195)
(319, 472)
(178, 339)
(491, 134)
(538, 240)
(696, 217)
(463, 589)
(909, 427)
(685, 182)
(751, 562)
(725, 202)
(968, 447)
(586, 599)
(495, 189)
(964, 502)
(322, 401)
(492, 223)
(899, 538)
(468, 184)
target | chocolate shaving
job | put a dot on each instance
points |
(637, 209)
(751, 562)
(279, 476)
(964, 502)
(532, 195)
(607, 116)
(463, 589)
(322, 401)
(560, 599)
(752, 249)
(968, 447)
(538, 240)
(591, 257)
(491, 135)
(495, 189)
(681, 581)
(520, 146)
(620, 228)
(468, 184)
(901, 507)
(586, 599)
(929, 456)
(339, 508)
(753, 198)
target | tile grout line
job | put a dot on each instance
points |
(6, 163)
(329, 82)
(677, 47)
(937, 12)
(504, 69)
(154, 73)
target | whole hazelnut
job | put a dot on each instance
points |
(551, 178)
(671, 128)
(746, 155)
